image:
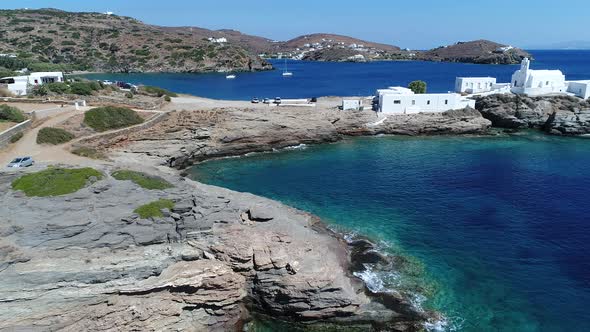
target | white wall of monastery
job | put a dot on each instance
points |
(410, 103)
(474, 84)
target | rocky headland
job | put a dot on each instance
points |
(86, 262)
(182, 138)
(556, 115)
(477, 51)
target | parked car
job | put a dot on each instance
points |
(107, 82)
(255, 100)
(277, 100)
(266, 100)
(21, 162)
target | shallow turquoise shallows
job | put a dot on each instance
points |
(501, 225)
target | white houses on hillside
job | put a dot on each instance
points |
(399, 100)
(20, 85)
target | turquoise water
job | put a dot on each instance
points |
(501, 225)
(315, 79)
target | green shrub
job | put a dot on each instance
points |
(12, 114)
(87, 152)
(110, 117)
(68, 43)
(58, 87)
(24, 29)
(55, 181)
(16, 137)
(129, 95)
(80, 88)
(154, 90)
(142, 52)
(418, 87)
(143, 180)
(167, 98)
(40, 90)
(54, 136)
(153, 209)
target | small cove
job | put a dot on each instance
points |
(496, 227)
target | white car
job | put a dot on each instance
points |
(21, 162)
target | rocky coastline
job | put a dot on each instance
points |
(184, 138)
(85, 261)
(555, 115)
(219, 259)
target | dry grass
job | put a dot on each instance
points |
(5, 93)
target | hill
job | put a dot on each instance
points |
(101, 42)
(478, 51)
(331, 47)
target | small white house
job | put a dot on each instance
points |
(351, 104)
(537, 82)
(579, 88)
(399, 100)
(221, 40)
(473, 85)
(19, 85)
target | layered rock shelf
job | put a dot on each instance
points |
(86, 262)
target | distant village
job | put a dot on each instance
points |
(363, 51)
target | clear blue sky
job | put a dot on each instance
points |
(410, 23)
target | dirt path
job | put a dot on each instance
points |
(27, 146)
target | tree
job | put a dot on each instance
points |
(418, 87)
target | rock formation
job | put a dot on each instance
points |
(86, 262)
(186, 137)
(563, 115)
(477, 51)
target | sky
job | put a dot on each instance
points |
(411, 24)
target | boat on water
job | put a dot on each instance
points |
(286, 72)
(230, 77)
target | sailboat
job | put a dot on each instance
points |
(287, 73)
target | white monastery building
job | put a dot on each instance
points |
(537, 82)
(525, 81)
(20, 85)
(472, 85)
(579, 88)
(399, 100)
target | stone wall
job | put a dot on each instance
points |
(6, 135)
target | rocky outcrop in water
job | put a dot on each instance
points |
(554, 114)
(86, 262)
(186, 137)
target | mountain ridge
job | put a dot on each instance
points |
(112, 43)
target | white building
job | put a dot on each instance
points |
(20, 85)
(473, 85)
(221, 40)
(579, 88)
(537, 82)
(399, 100)
(351, 104)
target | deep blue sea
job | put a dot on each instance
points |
(499, 227)
(316, 79)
